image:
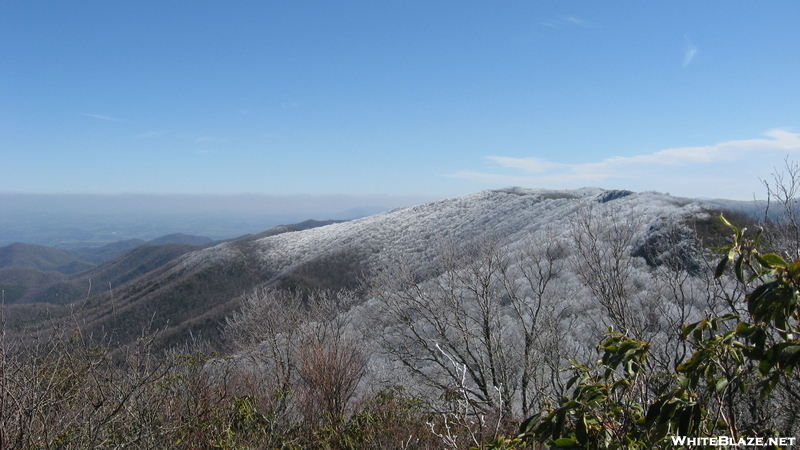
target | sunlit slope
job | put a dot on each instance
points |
(196, 290)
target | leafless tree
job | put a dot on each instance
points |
(64, 389)
(266, 329)
(603, 262)
(305, 347)
(539, 300)
(479, 322)
(454, 313)
(781, 222)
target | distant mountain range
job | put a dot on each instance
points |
(39, 274)
(73, 261)
(188, 283)
(97, 255)
(42, 258)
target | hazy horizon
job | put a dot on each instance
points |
(89, 220)
(69, 220)
(135, 203)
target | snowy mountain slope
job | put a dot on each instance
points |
(197, 289)
(607, 261)
(506, 214)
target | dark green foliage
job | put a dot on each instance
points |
(280, 229)
(674, 246)
(605, 408)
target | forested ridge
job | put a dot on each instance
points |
(597, 319)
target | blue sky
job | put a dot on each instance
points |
(397, 98)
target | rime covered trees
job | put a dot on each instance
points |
(487, 319)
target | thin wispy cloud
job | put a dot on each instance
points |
(690, 53)
(576, 21)
(98, 116)
(664, 166)
(565, 21)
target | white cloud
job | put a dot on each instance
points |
(671, 170)
(98, 116)
(690, 53)
(575, 20)
(565, 21)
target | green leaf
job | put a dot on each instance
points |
(721, 267)
(725, 221)
(661, 431)
(726, 318)
(722, 383)
(769, 384)
(560, 418)
(766, 364)
(757, 236)
(581, 430)
(738, 268)
(565, 442)
(789, 357)
(762, 297)
(771, 260)
(654, 412)
(697, 416)
(684, 421)
(794, 269)
(528, 424)
(687, 329)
